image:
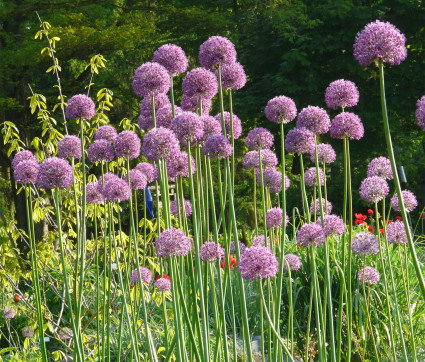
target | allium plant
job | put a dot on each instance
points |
(380, 166)
(409, 200)
(310, 177)
(341, 94)
(258, 262)
(217, 146)
(315, 119)
(347, 125)
(160, 143)
(172, 58)
(211, 252)
(26, 172)
(315, 206)
(151, 79)
(188, 127)
(300, 141)
(237, 124)
(364, 244)
(127, 144)
(217, 50)
(420, 112)
(233, 76)
(200, 83)
(281, 109)
(101, 151)
(69, 146)
(172, 242)
(396, 233)
(325, 153)
(311, 235)
(80, 106)
(175, 209)
(293, 261)
(107, 133)
(145, 274)
(54, 173)
(373, 189)
(369, 275)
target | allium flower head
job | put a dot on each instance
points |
(314, 119)
(145, 274)
(211, 127)
(116, 190)
(373, 189)
(332, 224)
(101, 150)
(311, 235)
(347, 124)
(379, 40)
(325, 153)
(28, 332)
(192, 104)
(54, 173)
(172, 242)
(187, 208)
(310, 177)
(80, 106)
(151, 79)
(178, 166)
(163, 285)
(294, 262)
(396, 233)
(217, 50)
(172, 58)
(281, 110)
(315, 207)
(259, 241)
(69, 146)
(138, 180)
(164, 116)
(380, 166)
(300, 140)
(127, 144)
(106, 177)
(188, 127)
(26, 172)
(258, 262)
(145, 122)
(160, 143)
(242, 247)
(23, 156)
(200, 83)
(237, 124)
(409, 200)
(272, 179)
(9, 313)
(268, 159)
(274, 218)
(369, 275)
(93, 196)
(65, 333)
(211, 252)
(217, 146)
(232, 76)
(160, 100)
(364, 243)
(107, 133)
(420, 112)
(259, 138)
(147, 169)
(341, 94)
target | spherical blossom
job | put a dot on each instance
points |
(293, 261)
(192, 104)
(138, 180)
(172, 242)
(93, 196)
(187, 208)
(69, 146)
(268, 159)
(251, 160)
(211, 127)
(259, 138)
(258, 262)
(380, 166)
(23, 156)
(373, 189)
(364, 243)
(200, 83)
(300, 140)
(237, 124)
(160, 100)
(116, 190)
(172, 58)
(145, 274)
(217, 146)
(211, 252)
(274, 218)
(164, 116)
(106, 177)
(281, 109)
(54, 173)
(310, 177)
(65, 333)
(272, 179)
(314, 119)
(147, 169)
(127, 144)
(347, 124)
(259, 241)
(160, 143)
(80, 106)
(163, 285)
(409, 200)
(242, 247)
(232, 76)
(107, 133)
(315, 207)
(325, 154)
(396, 233)
(332, 224)
(311, 235)
(379, 40)
(369, 275)
(28, 332)
(101, 150)
(341, 94)
(217, 50)
(188, 127)
(178, 166)
(150, 79)
(420, 112)
(9, 313)
(26, 172)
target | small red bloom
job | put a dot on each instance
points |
(370, 211)
(223, 265)
(389, 221)
(398, 218)
(233, 262)
(17, 298)
(165, 276)
(360, 216)
(117, 308)
(371, 229)
(358, 222)
(382, 231)
(131, 286)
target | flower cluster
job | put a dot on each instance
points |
(300, 141)
(101, 150)
(145, 274)
(54, 173)
(311, 235)
(138, 180)
(200, 83)
(314, 119)
(258, 262)
(259, 138)
(274, 218)
(107, 133)
(373, 189)
(69, 146)
(160, 143)
(332, 225)
(172, 242)
(151, 79)
(187, 208)
(217, 50)
(237, 124)
(347, 125)
(162, 284)
(368, 275)
(325, 154)
(396, 233)
(364, 244)
(233, 76)
(281, 109)
(310, 177)
(80, 106)
(127, 144)
(409, 201)
(93, 196)
(315, 206)
(420, 112)
(211, 252)
(380, 166)
(217, 146)
(172, 58)
(26, 172)
(293, 261)
(188, 127)
(341, 94)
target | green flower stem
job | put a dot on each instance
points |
(97, 277)
(304, 194)
(307, 337)
(317, 304)
(232, 138)
(263, 200)
(172, 96)
(255, 202)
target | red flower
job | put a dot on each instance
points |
(233, 262)
(398, 218)
(17, 298)
(371, 229)
(360, 216)
(370, 211)
(389, 221)
(358, 222)
(131, 286)
(117, 308)
(382, 231)
(165, 276)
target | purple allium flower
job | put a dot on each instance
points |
(178, 166)
(237, 124)
(69, 146)
(172, 242)
(164, 116)
(145, 122)
(9, 313)
(160, 100)
(106, 177)
(160, 143)
(281, 110)
(163, 285)
(26, 172)
(187, 208)
(217, 146)
(311, 235)
(23, 156)
(369, 275)
(341, 94)
(200, 83)
(315, 207)
(211, 127)
(145, 274)
(294, 262)
(54, 173)
(211, 252)
(93, 196)
(272, 179)
(188, 127)
(28, 332)
(80, 106)
(332, 224)
(138, 180)
(107, 133)
(268, 159)
(127, 144)
(232, 76)
(380, 166)
(65, 333)
(217, 50)
(259, 241)
(242, 247)
(373, 189)
(409, 200)
(396, 233)
(420, 112)
(192, 104)
(258, 262)
(172, 58)
(347, 124)
(325, 153)
(101, 150)
(379, 40)
(150, 79)
(314, 119)
(259, 139)
(251, 160)
(147, 169)
(310, 177)
(116, 190)
(300, 140)
(364, 243)
(274, 218)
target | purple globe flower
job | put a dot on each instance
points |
(192, 104)
(172, 242)
(409, 200)
(311, 235)
(211, 127)
(315, 207)
(341, 94)
(145, 122)
(127, 144)
(80, 106)
(364, 243)
(187, 208)
(164, 116)
(237, 124)
(274, 218)
(325, 154)
(310, 177)
(188, 127)
(101, 150)
(9, 312)
(145, 274)
(147, 169)
(150, 79)
(396, 233)
(242, 247)
(26, 172)
(211, 252)
(332, 225)
(420, 112)
(106, 177)
(258, 262)
(300, 140)
(93, 196)
(348, 125)
(259, 138)
(28, 332)
(116, 190)
(379, 40)
(54, 173)
(107, 133)
(217, 146)
(200, 83)
(281, 110)
(259, 241)
(69, 146)
(251, 160)
(293, 261)
(172, 58)
(373, 189)
(178, 166)
(369, 275)
(160, 100)
(23, 156)
(232, 76)
(217, 50)
(272, 179)
(314, 119)
(138, 180)
(163, 285)
(380, 166)
(268, 159)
